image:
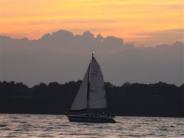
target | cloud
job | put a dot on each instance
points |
(72, 21)
(176, 6)
(165, 36)
(63, 56)
(180, 32)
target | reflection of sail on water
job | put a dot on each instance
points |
(91, 94)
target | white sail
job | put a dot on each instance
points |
(91, 94)
(97, 94)
(80, 101)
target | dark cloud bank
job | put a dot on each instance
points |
(63, 56)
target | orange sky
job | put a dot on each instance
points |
(128, 19)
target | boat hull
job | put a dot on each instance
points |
(90, 119)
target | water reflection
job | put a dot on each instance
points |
(21, 126)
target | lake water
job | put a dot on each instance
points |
(58, 126)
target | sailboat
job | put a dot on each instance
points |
(90, 103)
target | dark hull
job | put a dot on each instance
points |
(90, 119)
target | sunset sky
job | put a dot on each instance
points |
(132, 20)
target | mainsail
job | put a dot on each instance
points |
(91, 94)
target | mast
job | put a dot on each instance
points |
(88, 84)
(88, 88)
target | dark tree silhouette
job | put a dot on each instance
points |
(135, 99)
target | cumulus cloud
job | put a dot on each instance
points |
(62, 56)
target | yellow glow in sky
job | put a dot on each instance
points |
(123, 18)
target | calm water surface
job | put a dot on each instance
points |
(57, 126)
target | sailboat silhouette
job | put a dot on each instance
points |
(90, 103)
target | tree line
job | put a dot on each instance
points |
(131, 99)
